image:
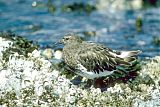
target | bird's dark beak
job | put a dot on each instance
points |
(60, 41)
(57, 43)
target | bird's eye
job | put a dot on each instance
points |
(66, 38)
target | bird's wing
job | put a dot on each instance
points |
(98, 58)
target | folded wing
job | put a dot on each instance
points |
(98, 58)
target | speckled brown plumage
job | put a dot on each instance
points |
(94, 57)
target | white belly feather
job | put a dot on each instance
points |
(91, 74)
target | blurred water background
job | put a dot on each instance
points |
(118, 24)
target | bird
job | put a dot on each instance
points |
(93, 60)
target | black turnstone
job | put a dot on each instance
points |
(93, 60)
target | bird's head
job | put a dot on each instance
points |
(70, 38)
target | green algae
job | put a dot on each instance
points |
(156, 41)
(20, 45)
(79, 7)
(9, 98)
(139, 24)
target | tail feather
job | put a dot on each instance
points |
(129, 56)
(125, 72)
(129, 59)
(136, 66)
(126, 54)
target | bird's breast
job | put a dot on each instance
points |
(69, 56)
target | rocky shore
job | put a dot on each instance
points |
(28, 78)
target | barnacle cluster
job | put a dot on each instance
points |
(29, 79)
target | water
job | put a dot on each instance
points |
(114, 29)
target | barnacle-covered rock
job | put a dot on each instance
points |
(29, 79)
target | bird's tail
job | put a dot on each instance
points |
(123, 73)
(126, 54)
(129, 71)
(129, 56)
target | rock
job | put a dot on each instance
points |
(48, 53)
(58, 54)
(32, 81)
